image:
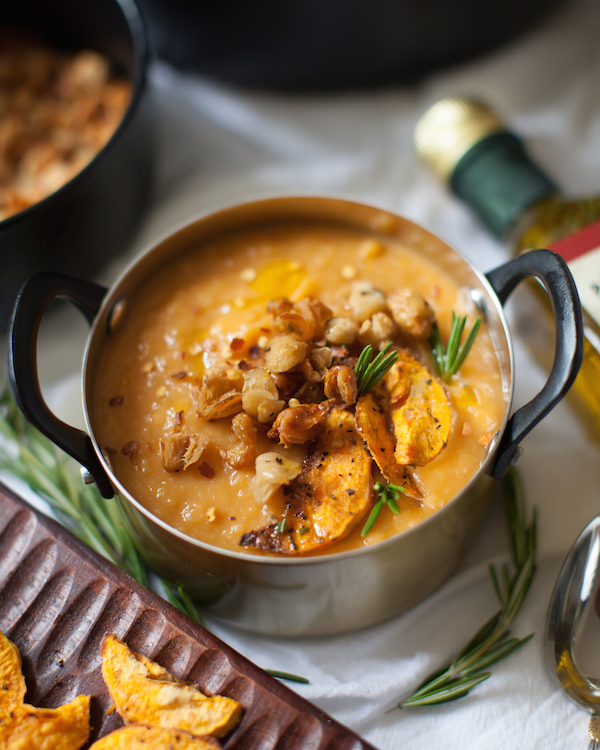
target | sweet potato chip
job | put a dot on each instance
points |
(420, 411)
(24, 727)
(63, 728)
(328, 498)
(146, 737)
(145, 693)
(12, 682)
(373, 422)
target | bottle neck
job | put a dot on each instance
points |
(499, 181)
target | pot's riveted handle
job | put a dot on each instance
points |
(31, 303)
(552, 271)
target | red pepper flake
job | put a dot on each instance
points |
(265, 330)
(254, 352)
(179, 417)
(116, 401)
(110, 450)
(243, 365)
(130, 449)
(206, 470)
(180, 375)
(237, 344)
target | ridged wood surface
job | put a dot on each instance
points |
(58, 599)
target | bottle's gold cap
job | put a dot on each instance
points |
(449, 128)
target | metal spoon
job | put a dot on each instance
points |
(572, 637)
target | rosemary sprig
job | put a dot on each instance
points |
(29, 456)
(369, 370)
(491, 643)
(388, 495)
(448, 361)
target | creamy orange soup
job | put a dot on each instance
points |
(220, 410)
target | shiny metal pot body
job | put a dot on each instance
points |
(335, 592)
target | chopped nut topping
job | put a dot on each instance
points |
(211, 514)
(284, 352)
(341, 330)
(340, 384)
(245, 451)
(412, 312)
(180, 450)
(377, 331)
(365, 300)
(299, 424)
(348, 272)
(148, 367)
(272, 471)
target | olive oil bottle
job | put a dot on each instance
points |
(487, 166)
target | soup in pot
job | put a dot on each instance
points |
(237, 404)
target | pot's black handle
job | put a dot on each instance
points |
(29, 308)
(551, 270)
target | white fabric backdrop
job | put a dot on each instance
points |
(219, 145)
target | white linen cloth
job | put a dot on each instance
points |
(218, 145)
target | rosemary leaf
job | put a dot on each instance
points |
(490, 644)
(370, 371)
(466, 347)
(388, 494)
(372, 518)
(448, 362)
(392, 505)
(287, 676)
(455, 690)
(496, 584)
(501, 651)
(178, 597)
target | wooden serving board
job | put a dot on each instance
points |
(58, 599)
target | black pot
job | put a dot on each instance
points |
(90, 219)
(317, 44)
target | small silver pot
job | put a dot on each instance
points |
(336, 592)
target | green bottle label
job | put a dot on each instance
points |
(497, 179)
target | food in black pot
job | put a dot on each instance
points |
(94, 186)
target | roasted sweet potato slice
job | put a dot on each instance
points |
(12, 682)
(146, 737)
(145, 693)
(420, 411)
(63, 728)
(328, 498)
(374, 424)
